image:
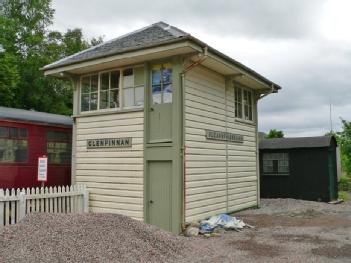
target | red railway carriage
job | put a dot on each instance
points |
(26, 135)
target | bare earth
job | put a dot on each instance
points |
(286, 230)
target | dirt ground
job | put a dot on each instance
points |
(286, 230)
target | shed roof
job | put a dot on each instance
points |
(299, 142)
(151, 36)
(34, 116)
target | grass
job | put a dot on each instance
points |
(346, 196)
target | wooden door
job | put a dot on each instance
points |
(160, 194)
(160, 107)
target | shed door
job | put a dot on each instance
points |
(160, 192)
(160, 109)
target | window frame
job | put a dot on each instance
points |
(134, 87)
(243, 90)
(286, 157)
(162, 85)
(68, 141)
(121, 106)
(18, 138)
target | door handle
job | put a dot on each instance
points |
(151, 202)
(151, 109)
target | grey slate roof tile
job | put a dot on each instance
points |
(147, 36)
(150, 36)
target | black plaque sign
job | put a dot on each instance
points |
(224, 136)
(109, 143)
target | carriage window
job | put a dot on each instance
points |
(13, 144)
(162, 83)
(275, 163)
(58, 147)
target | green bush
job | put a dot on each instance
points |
(344, 195)
(345, 183)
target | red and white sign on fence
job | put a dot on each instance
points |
(42, 169)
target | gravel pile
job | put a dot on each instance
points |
(89, 238)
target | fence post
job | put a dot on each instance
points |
(2, 216)
(85, 200)
(22, 205)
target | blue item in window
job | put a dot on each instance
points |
(167, 75)
(156, 77)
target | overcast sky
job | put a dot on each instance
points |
(304, 46)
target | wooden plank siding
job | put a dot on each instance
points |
(220, 177)
(114, 177)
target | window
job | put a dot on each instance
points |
(102, 91)
(133, 87)
(58, 147)
(162, 83)
(243, 103)
(275, 163)
(13, 144)
(238, 103)
(89, 93)
(109, 90)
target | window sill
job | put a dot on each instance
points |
(242, 121)
(106, 112)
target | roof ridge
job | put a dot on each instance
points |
(175, 31)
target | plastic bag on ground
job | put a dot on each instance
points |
(223, 221)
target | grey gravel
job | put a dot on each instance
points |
(88, 238)
(286, 230)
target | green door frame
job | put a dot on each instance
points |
(166, 151)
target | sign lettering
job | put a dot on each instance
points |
(42, 169)
(224, 136)
(109, 143)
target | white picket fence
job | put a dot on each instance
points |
(16, 203)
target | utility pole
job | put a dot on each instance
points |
(330, 116)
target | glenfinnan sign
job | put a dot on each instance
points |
(224, 136)
(109, 143)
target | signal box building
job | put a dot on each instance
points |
(26, 135)
(164, 127)
(300, 168)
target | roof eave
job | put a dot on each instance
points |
(273, 86)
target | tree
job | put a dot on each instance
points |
(8, 78)
(29, 46)
(273, 133)
(344, 141)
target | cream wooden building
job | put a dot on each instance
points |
(165, 127)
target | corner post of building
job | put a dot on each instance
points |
(76, 96)
(145, 140)
(228, 85)
(177, 112)
(256, 99)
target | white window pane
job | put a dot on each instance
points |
(139, 96)
(128, 81)
(156, 94)
(167, 93)
(128, 97)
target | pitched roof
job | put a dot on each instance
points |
(151, 36)
(292, 143)
(145, 37)
(34, 116)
